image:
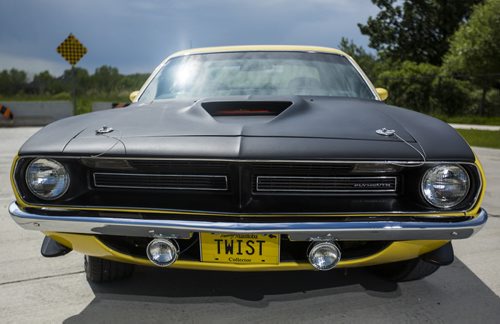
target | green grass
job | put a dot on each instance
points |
(476, 120)
(481, 138)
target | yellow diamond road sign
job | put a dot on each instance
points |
(71, 49)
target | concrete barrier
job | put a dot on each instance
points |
(101, 105)
(36, 113)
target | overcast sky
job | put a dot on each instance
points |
(136, 35)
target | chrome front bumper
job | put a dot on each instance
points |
(297, 231)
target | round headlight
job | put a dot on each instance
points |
(47, 179)
(445, 185)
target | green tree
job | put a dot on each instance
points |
(475, 47)
(424, 88)
(410, 85)
(106, 79)
(132, 82)
(451, 96)
(12, 81)
(83, 80)
(105, 84)
(475, 52)
(44, 83)
(415, 30)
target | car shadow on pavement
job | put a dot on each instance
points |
(452, 293)
(242, 286)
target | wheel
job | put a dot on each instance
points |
(101, 270)
(409, 270)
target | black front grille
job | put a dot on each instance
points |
(303, 168)
(160, 181)
(180, 166)
(231, 187)
(325, 184)
(244, 187)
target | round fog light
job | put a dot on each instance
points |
(162, 252)
(324, 256)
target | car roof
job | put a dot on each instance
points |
(258, 48)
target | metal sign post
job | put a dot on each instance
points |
(72, 51)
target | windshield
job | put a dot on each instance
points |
(257, 73)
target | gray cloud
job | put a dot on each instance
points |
(136, 35)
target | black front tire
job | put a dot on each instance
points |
(414, 269)
(101, 270)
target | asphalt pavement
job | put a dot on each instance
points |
(34, 289)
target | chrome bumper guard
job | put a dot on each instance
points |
(298, 231)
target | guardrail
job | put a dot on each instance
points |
(36, 113)
(103, 105)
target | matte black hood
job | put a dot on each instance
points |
(308, 128)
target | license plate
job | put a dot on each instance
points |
(240, 248)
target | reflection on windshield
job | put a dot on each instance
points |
(257, 73)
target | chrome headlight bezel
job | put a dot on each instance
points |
(460, 174)
(60, 188)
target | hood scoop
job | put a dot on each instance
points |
(321, 118)
(245, 108)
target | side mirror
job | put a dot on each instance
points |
(382, 93)
(133, 95)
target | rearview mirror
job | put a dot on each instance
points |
(382, 93)
(133, 95)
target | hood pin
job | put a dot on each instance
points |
(103, 130)
(385, 132)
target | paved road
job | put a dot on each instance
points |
(35, 289)
(478, 127)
